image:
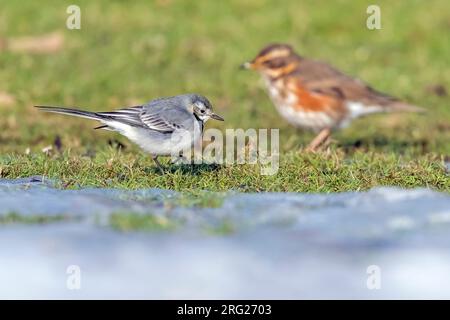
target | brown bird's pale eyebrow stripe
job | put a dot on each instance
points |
(273, 54)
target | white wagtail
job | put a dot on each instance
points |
(159, 127)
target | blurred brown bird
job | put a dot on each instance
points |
(313, 95)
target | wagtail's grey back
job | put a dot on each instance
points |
(159, 126)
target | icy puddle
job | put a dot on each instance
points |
(385, 243)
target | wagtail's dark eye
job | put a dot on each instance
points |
(202, 111)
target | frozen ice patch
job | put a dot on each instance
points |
(265, 245)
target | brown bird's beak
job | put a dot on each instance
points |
(216, 117)
(246, 65)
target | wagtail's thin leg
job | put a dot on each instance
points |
(155, 158)
(319, 140)
(181, 159)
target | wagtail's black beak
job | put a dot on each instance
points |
(216, 117)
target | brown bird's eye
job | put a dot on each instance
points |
(275, 63)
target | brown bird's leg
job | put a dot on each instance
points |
(318, 140)
(155, 158)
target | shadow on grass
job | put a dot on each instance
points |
(421, 146)
(189, 169)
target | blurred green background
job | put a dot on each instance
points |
(128, 53)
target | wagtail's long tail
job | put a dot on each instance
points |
(128, 116)
(72, 112)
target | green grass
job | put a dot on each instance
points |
(224, 228)
(327, 172)
(196, 198)
(15, 218)
(128, 53)
(132, 221)
(129, 221)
